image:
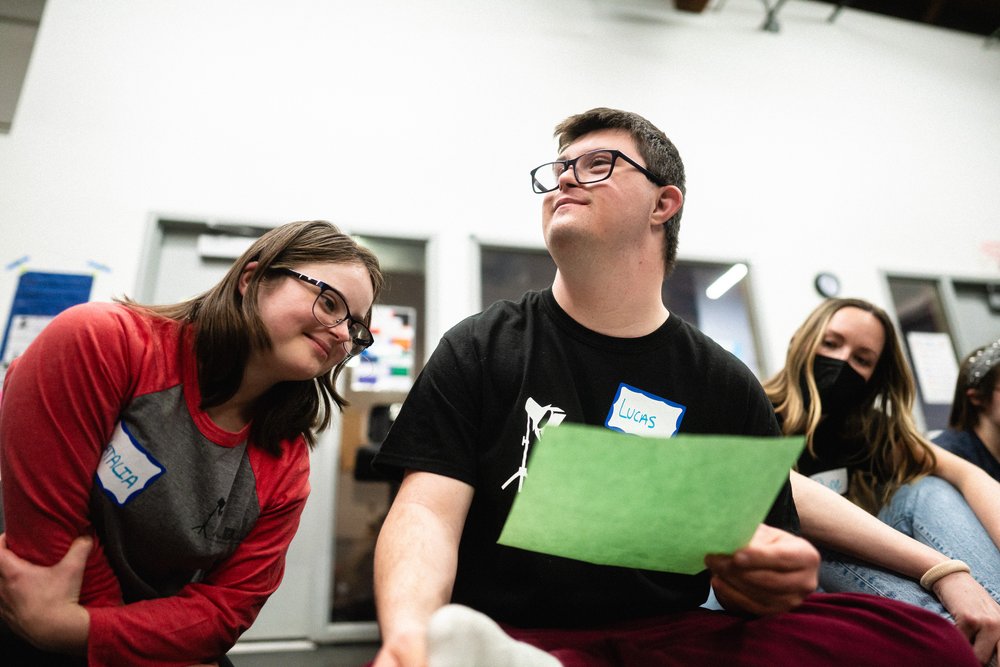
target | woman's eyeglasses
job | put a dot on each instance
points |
(330, 309)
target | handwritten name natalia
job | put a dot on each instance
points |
(119, 469)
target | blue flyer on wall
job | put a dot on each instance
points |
(39, 297)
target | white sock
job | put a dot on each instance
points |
(458, 636)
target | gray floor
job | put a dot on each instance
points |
(334, 655)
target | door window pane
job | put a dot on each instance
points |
(726, 319)
(363, 497)
(977, 314)
(919, 309)
(506, 273)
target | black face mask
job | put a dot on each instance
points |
(840, 387)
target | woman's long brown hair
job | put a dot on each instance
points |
(228, 327)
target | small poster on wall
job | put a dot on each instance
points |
(388, 365)
(39, 297)
(934, 364)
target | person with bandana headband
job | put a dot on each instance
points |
(974, 425)
(846, 386)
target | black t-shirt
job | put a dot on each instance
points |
(833, 450)
(496, 378)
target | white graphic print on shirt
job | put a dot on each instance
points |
(538, 416)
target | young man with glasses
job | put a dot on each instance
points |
(611, 211)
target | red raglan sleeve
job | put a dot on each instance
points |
(203, 620)
(61, 399)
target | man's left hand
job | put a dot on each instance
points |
(771, 575)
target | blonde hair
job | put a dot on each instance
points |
(883, 419)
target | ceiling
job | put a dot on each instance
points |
(981, 17)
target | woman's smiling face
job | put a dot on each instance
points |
(301, 347)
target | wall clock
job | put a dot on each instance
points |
(827, 284)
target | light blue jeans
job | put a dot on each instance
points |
(931, 511)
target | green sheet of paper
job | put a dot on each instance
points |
(604, 497)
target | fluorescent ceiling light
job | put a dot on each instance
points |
(724, 283)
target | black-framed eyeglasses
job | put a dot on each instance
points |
(591, 167)
(330, 309)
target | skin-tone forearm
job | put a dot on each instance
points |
(832, 521)
(980, 491)
(415, 563)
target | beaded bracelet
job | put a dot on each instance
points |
(941, 570)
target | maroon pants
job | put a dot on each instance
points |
(839, 630)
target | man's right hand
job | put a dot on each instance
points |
(406, 648)
(416, 557)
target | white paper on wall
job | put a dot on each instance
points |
(934, 365)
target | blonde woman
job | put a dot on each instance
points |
(846, 387)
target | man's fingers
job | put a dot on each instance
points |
(782, 556)
(734, 599)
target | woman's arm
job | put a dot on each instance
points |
(831, 520)
(202, 621)
(61, 401)
(981, 492)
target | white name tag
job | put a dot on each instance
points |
(833, 479)
(125, 468)
(636, 412)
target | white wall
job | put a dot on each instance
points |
(862, 145)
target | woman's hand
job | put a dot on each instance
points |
(41, 604)
(976, 613)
